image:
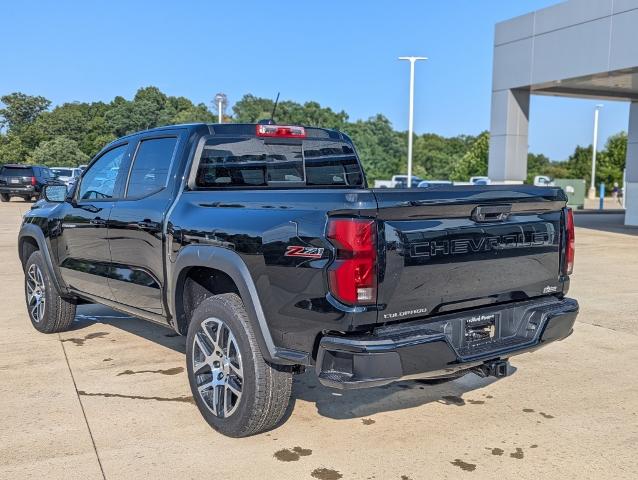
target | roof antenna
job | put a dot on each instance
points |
(274, 108)
(271, 120)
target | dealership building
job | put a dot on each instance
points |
(579, 48)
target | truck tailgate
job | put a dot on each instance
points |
(450, 248)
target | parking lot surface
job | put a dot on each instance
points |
(110, 398)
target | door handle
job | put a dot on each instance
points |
(491, 213)
(97, 222)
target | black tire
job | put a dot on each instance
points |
(57, 313)
(26, 198)
(264, 388)
(5, 197)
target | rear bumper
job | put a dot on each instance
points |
(439, 347)
(18, 190)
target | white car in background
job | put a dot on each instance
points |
(68, 175)
(397, 181)
(383, 184)
(480, 180)
(431, 183)
(543, 181)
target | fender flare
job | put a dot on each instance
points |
(32, 231)
(230, 263)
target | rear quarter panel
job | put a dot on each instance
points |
(260, 225)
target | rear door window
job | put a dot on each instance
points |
(151, 166)
(257, 162)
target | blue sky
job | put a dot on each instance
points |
(341, 54)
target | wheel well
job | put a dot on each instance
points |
(28, 245)
(195, 284)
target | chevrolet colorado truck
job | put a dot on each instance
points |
(263, 245)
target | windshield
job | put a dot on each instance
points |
(62, 172)
(256, 162)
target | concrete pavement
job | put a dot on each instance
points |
(110, 399)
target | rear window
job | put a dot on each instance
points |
(257, 162)
(17, 172)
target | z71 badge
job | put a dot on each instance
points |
(304, 252)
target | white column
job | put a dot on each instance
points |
(412, 61)
(411, 124)
(631, 189)
(594, 153)
(509, 136)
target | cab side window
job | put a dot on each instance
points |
(151, 166)
(99, 181)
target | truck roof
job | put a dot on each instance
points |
(23, 165)
(244, 129)
(234, 129)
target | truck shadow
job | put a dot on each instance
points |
(348, 404)
(331, 403)
(90, 314)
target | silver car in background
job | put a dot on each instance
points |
(68, 175)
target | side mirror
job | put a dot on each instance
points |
(55, 193)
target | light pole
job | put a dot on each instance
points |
(412, 61)
(221, 100)
(592, 187)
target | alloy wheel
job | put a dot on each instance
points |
(36, 293)
(217, 367)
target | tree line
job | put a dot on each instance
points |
(72, 133)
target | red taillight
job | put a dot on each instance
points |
(33, 181)
(282, 131)
(353, 275)
(570, 243)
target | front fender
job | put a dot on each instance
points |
(29, 230)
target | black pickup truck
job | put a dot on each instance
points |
(265, 247)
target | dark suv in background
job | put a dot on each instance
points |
(25, 181)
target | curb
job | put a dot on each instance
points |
(591, 211)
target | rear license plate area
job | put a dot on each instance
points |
(480, 329)
(15, 180)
